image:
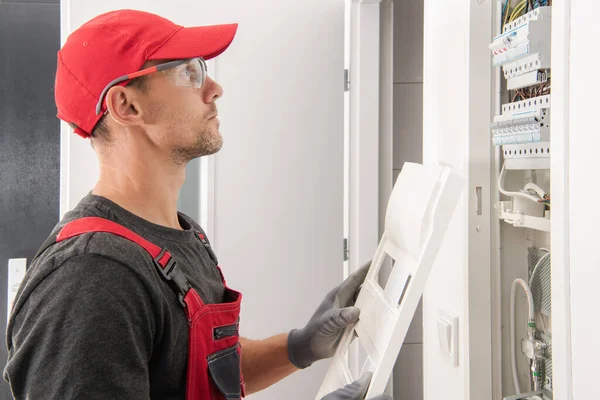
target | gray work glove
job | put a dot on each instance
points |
(356, 390)
(320, 337)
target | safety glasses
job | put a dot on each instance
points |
(185, 73)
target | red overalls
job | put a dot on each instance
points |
(214, 353)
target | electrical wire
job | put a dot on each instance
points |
(530, 92)
(506, 9)
(546, 202)
(504, 13)
(512, 194)
(519, 93)
(531, 316)
(540, 192)
(518, 10)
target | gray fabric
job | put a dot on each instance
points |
(93, 319)
(320, 337)
(356, 390)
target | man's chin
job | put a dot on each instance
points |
(215, 146)
(204, 148)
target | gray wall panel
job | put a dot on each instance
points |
(29, 137)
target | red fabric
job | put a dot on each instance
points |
(203, 318)
(116, 44)
(96, 224)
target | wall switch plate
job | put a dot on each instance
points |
(447, 324)
(16, 272)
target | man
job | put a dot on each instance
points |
(125, 299)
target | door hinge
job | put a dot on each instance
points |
(346, 251)
(346, 80)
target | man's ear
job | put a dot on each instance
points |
(124, 106)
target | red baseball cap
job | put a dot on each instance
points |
(118, 43)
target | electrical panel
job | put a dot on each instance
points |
(526, 36)
(527, 156)
(526, 121)
(521, 131)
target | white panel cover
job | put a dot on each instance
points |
(418, 214)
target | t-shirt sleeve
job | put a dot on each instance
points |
(86, 332)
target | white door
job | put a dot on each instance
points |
(368, 134)
(277, 201)
(457, 108)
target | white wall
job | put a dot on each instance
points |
(583, 144)
(278, 180)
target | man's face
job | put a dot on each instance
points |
(182, 119)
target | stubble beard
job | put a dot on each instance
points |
(208, 142)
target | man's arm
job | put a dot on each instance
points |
(269, 363)
(265, 362)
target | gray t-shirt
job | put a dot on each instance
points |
(93, 319)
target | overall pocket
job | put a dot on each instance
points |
(222, 332)
(224, 367)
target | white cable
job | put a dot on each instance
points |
(512, 194)
(513, 346)
(532, 186)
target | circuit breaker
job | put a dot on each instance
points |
(521, 131)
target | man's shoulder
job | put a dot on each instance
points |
(94, 242)
(87, 250)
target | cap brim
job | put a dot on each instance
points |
(201, 41)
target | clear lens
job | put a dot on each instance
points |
(192, 73)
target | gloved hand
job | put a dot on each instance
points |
(320, 337)
(356, 390)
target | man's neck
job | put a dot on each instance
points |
(148, 190)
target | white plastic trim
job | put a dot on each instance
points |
(561, 266)
(418, 214)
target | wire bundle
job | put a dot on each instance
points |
(540, 89)
(521, 8)
(516, 12)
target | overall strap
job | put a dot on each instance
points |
(161, 257)
(208, 248)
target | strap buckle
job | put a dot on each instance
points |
(172, 273)
(208, 247)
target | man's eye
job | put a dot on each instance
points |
(190, 74)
